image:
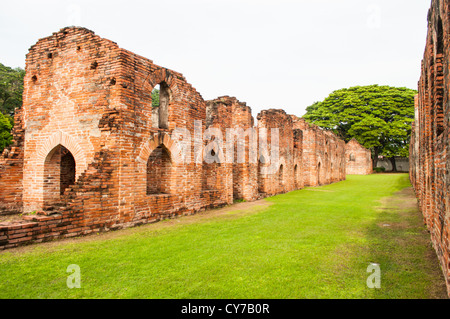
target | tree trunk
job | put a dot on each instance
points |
(375, 159)
(394, 166)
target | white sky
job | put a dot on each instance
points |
(271, 54)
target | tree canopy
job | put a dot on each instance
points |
(11, 89)
(378, 117)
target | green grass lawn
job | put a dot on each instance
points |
(312, 243)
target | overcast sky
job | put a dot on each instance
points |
(271, 54)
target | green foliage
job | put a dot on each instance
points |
(5, 135)
(155, 98)
(379, 169)
(11, 89)
(378, 117)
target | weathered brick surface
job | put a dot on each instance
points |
(323, 155)
(91, 153)
(430, 134)
(358, 159)
(11, 170)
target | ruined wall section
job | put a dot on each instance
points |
(86, 94)
(430, 136)
(217, 178)
(11, 170)
(358, 159)
(70, 101)
(245, 155)
(279, 177)
(239, 148)
(298, 158)
(308, 151)
(108, 120)
(172, 132)
(323, 155)
(336, 158)
(67, 92)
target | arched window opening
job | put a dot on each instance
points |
(160, 100)
(155, 96)
(281, 175)
(59, 175)
(261, 177)
(439, 88)
(67, 170)
(352, 157)
(440, 37)
(159, 172)
(318, 174)
(296, 177)
(239, 170)
(211, 177)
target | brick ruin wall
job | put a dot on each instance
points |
(429, 162)
(359, 159)
(91, 154)
(11, 170)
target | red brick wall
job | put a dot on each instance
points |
(67, 91)
(11, 170)
(430, 135)
(87, 100)
(358, 159)
(280, 179)
(323, 155)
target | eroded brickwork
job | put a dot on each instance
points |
(11, 170)
(430, 134)
(91, 154)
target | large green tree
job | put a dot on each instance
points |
(378, 117)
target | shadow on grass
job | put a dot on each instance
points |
(401, 246)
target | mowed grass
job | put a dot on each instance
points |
(311, 243)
